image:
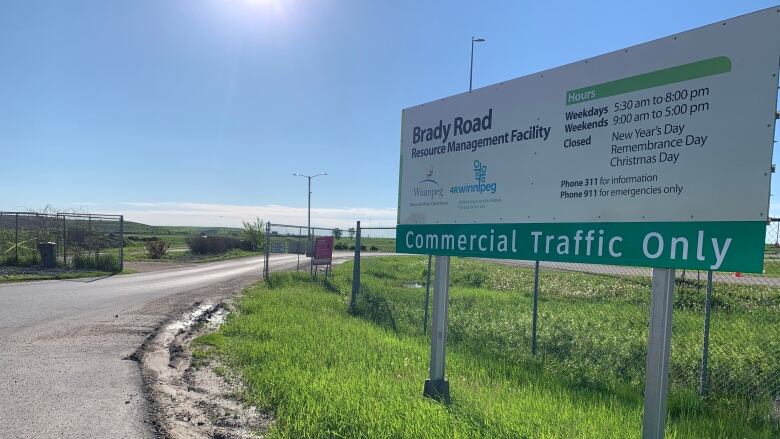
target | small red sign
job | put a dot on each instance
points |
(323, 250)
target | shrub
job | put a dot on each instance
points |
(340, 246)
(254, 235)
(374, 248)
(100, 262)
(471, 278)
(23, 260)
(205, 245)
(79, 261)
(106, 263)
(156, 248)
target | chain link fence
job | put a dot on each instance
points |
(36, 241)
(587, 324)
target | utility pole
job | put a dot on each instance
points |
(308, 225)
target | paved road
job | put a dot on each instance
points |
(63, 344)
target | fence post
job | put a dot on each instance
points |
(535, 315)
(64, 243)
(427, 295)
(121, 242)
(16, 239)
(705, 351)
(266, 261)
(310, 250)
(355, 271)
(298, 263)
(2, 241)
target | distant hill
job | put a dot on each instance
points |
(133, 228)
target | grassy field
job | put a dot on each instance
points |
(182, 254)
(371, 243)
(176, 237)
(9, 275)
(133, 228)
(328, 374)
(771, 267)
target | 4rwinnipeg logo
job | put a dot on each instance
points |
(428, 187)
(480, 184)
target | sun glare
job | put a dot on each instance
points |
(277, 7)
(260, 2)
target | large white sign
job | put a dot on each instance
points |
(677, 129)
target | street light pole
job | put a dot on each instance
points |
(471, 69)
(308, 225)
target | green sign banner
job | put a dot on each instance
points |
(671, 75)
(719, 246)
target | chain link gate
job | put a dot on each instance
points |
(291, 248)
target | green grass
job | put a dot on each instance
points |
(328, 374)
(27, 277)
(381, 244)
(133, 228)
(187, 256)
(592, 328)
(771, 267)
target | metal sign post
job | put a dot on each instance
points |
(437, 387)
(427, 295)
(658, 350)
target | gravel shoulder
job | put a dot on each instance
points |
(195, 398)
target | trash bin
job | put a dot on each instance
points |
(48, 252)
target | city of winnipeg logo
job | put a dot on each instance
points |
(428, 187)
(480, 184)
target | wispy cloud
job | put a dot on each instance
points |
(231, 215)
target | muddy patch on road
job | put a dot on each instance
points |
(195, 399)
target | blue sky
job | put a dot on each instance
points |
(199, 111)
